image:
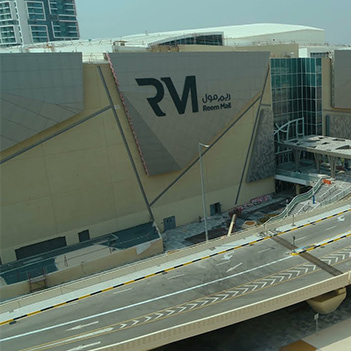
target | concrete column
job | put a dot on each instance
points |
(328, 302)
(332, 162)
(297, 155)
(298, 189)
(317, 159)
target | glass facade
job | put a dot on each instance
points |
(297, 92)
(5, 11)
(39, 34)
(296, 85)
(35, 10)
(9, 25)
(319, 54)
(64, 19)
(42, 20)
(210, 39)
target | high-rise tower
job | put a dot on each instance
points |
(27, 22)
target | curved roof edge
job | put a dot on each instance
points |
(235, 34)
(242, 30)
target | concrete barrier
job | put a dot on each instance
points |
(179, 332)
(81, 280)
(8, 291)
(69, 279)
(306, 215)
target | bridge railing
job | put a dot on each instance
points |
(338, 196)
(297, 199)
(294, 174)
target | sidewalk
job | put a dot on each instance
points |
(334, 338)
(312, 219)
(181, 237)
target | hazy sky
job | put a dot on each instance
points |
(116, 18)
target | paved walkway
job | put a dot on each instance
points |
(181, 237)
(337, 337)
(334, 338)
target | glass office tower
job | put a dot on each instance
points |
(10, 33)
(26, 22)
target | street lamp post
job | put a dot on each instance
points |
(203, 188)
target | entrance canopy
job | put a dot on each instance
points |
(319, 145)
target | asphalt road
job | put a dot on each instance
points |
(200, 289)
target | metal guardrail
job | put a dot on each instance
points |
(294, 174)
(297, 199)
(340, 195)
(93, 58)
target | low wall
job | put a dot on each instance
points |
(71, 274)
(179, 332)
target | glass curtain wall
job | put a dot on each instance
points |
(296, 85)
(9, 32)
(211, 39)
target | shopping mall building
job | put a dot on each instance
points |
(101, 136)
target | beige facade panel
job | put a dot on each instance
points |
(83, 179)
(342, 79)
(16, 188)
(78, 170)
(38, 91)
(336, 121)
(90, 135)
(176, 100)
(76, 209)
(25, 223)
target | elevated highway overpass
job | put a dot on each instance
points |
(189, 292)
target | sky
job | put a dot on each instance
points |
(117, 18)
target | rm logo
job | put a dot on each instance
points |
(180, 103)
